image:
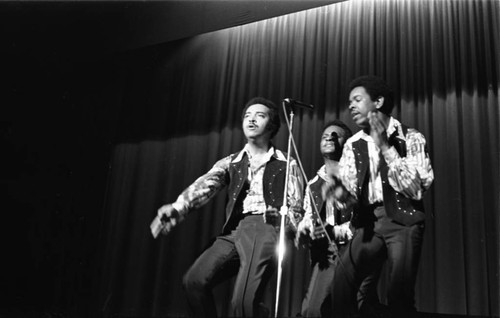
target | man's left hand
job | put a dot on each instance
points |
(378, 130)
(272, 216)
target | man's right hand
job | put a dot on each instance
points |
(336, 192)
(169, 217)
(305, 230)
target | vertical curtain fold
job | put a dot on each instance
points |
(183, 111)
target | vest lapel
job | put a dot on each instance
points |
(360, 149)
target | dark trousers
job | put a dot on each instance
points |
(252, 248)
(386, 241)
(317, 302)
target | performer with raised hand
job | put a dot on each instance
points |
(386, 169)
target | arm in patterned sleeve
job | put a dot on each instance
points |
(347, 170)
(308, 204)
(413, 174)
(305, 228)
(306, 224)
(295, 185)
(204, 188)
(295, 190)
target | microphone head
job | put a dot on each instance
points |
(294, 102)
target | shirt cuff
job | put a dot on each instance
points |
(180, 206)
(390, 155)
(345, 231)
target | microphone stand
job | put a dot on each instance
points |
(284, 213)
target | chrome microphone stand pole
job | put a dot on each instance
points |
(283, 213)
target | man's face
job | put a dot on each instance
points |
(332, 141)
(255, 121)
(360, 104)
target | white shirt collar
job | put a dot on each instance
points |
(271, 152)
(322, 172)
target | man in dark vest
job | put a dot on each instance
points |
(324, 227)
(255, 178)
(385, 167)
(327, 230)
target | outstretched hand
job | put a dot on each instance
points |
(169, 218)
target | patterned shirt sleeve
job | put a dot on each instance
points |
(411, 175)
(307, 204)
(295, 185)
(204, 188)
(347, 171)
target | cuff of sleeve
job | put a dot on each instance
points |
(390, 155)
(180, 207)
(345, 231)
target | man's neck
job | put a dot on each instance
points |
(258, 147)
(332, 167)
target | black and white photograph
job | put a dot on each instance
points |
(237, 158)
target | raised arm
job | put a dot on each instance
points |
(411, 175)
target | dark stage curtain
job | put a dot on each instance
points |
(181, 112)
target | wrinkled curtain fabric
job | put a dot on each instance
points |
(182, 114)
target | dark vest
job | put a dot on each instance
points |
(273, 183)
(316, 190)
(320, 248)
(397, 207)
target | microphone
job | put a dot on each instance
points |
(293, 102)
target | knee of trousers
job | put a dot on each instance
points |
(244, 304)
(193, 282)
